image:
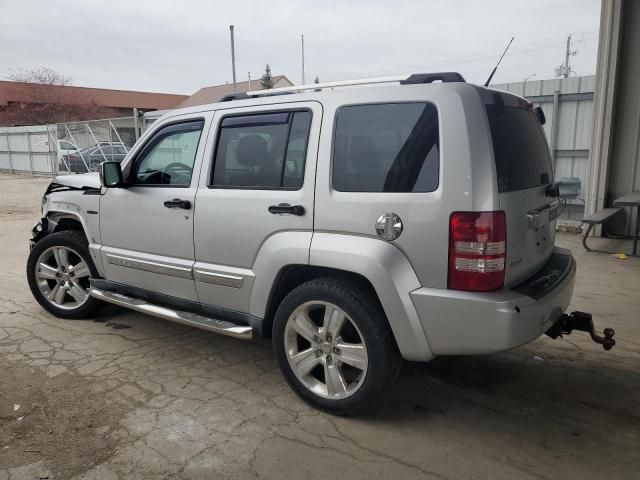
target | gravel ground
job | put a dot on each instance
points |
(94, 399)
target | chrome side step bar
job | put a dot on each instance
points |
(191, 319)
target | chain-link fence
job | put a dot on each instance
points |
(83, 146)
(64, 148)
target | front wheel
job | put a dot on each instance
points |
(334, 346)
(58, 272)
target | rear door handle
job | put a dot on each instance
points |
(178, 203)
(286, 208)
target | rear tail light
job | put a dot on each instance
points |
(477, 250)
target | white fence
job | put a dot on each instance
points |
(29, 150)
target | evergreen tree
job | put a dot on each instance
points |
(267, 80)
(317, 80)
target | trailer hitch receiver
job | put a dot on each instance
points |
(584, 322)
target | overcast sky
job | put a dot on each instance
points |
(180, 46)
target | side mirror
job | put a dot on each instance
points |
(111, 175)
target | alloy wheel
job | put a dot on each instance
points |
(326, 350)
(63, 277)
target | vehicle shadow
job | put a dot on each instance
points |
(584, 406)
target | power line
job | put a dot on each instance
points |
(522, 49)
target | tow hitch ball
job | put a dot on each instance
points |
(584, 322)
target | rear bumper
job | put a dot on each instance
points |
(461, 323)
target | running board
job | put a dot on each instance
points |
(186, 318)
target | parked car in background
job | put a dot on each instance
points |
(66, 148)
(88, 159)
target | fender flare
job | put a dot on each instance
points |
(277, 252)
(392, 277)
(54, 217)
(55, 214)
(381, 263)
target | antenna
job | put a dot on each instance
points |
(493, 72)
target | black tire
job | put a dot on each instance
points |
(365, 312)
(76, 241)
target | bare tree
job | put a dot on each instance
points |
(41, 76)
(45, 96)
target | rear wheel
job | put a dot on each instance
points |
(334, 346)
(58, 272)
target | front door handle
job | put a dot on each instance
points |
(178, 203)
(286, 208)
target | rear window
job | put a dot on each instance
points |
(520, 148)
(386, 148)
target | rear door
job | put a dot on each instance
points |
(524, 172)
(262, 165)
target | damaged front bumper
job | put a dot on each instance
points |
(39, 230)
(583, 322)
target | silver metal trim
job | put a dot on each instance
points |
(226, 280)
(222, 327)
(317, 86)
(149, 266)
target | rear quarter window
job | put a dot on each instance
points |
(520, 148)
(386, 148)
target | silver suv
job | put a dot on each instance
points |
(354, 225)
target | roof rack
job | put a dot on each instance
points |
(416, 78)
(444, 77)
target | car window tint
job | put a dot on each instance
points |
(262, 151)
(168, 157)
(520, 148)
(386, 148)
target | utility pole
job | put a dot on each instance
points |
(250, 89)
(564, 70)
(303, 83)
(233, 59)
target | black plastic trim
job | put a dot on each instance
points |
(550, 276)
(444, 77)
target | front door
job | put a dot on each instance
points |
(147, 227)
(255, 198)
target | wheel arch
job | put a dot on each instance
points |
(376, 265)
(63, 220)
(291, 276)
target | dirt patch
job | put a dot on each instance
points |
(59, 421)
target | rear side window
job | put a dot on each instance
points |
(386, 148)
(519, 147)
(262, 151)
